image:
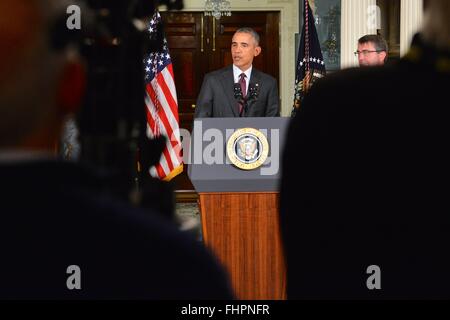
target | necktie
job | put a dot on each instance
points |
(243, 84)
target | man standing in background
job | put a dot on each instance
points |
(372, 51)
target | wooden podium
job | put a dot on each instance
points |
(239, 208)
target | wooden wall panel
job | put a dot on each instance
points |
(242, 230)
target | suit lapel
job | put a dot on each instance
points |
(227, 80)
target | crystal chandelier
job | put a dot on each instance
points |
(217, 8)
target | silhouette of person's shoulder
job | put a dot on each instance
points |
(56, 215)
(361, 186)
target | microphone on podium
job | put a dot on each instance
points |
(238, 93)
(253, 91)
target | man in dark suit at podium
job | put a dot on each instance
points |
(239, 90)
(62, 235)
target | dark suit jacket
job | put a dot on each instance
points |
(216, 98)
(54, 215)
(363, 172)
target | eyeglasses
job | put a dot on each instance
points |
(366, 52)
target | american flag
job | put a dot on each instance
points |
(310, 63)
(162, 105)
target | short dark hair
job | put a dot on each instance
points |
(377, 40)
(251, 31)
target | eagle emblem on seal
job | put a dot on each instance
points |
(247, 148)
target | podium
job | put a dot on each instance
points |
(239, 207)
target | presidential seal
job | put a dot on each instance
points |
(247, 148)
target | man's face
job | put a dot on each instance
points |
(243, 50)
(368, 55)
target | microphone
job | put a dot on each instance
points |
(253, 91)
(238, 93)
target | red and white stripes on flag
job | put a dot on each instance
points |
(162, 105)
